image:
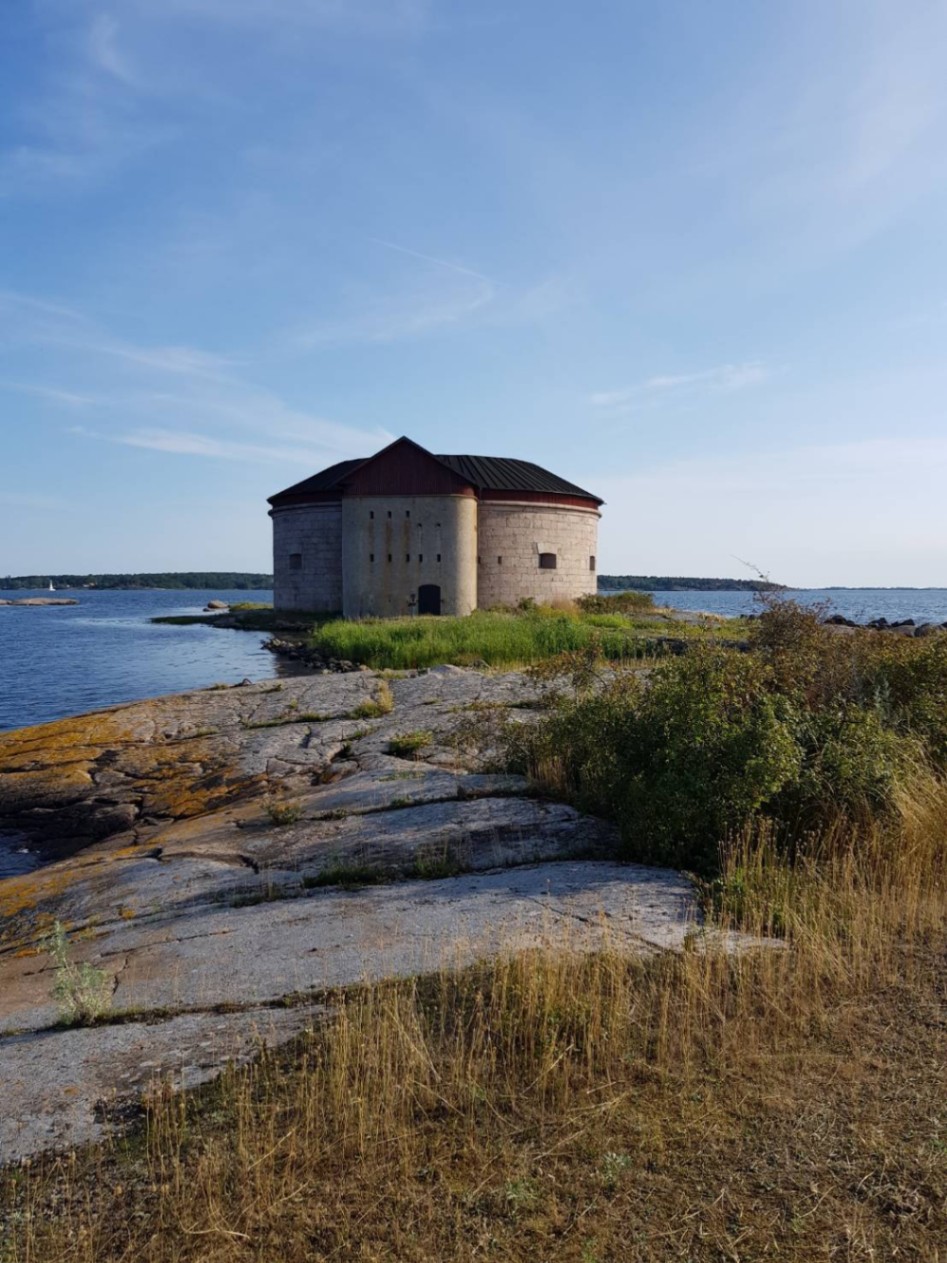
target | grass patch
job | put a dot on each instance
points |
(383, 703)
(406, 745)
(292, 717)
(490, 638)
(348, 876)
(435, 867)
(283, 813)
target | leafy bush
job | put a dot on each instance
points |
(806, 728)
(679, 762)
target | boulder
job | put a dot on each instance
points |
(839, 620)
(216, 605)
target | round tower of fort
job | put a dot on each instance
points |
(544, 549)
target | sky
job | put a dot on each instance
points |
(689, 255)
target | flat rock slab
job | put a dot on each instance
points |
(207, 843)
(61, 1088)
(59, 1083)
(138, 766)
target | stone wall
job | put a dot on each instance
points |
(511, 538)
(312, 534)
(394, 544)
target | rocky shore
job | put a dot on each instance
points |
(225, 858)
(901, 627)
(307, 656)
(40, 600)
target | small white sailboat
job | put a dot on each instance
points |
(51, 588)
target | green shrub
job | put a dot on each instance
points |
(680, 762)
(83, 992)
(618, 602)
(809, 727)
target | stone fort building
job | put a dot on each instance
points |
(407, 532)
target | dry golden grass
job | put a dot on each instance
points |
(780, 1104)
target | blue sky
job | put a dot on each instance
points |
(690, 255)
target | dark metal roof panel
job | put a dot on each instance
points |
(501, 473)
(487, 473)
(325, 480)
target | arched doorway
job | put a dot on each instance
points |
(429, 598)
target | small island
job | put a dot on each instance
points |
(41, 600)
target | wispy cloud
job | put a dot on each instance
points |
(102, 95)
(419, 309)
(184, 443)
(431, 258)
(70, 397)
(105, 53)
(724, 379)
(439, 295)
(181, 400)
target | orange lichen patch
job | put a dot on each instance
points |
(76, 740)
(168, 769)
(32, 892)
(36, 781)
(27, 892)
(26, 951)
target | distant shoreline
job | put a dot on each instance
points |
(170, 581)
(246, 581)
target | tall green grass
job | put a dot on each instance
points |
(492, 637)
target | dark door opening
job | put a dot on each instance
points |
(429, 598)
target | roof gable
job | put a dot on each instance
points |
(406, 468)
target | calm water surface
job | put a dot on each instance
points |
(924, 605)
(64, 660)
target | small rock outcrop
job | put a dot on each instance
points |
(40, 600)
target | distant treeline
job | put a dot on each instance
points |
(190, 579)
(665, 583)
